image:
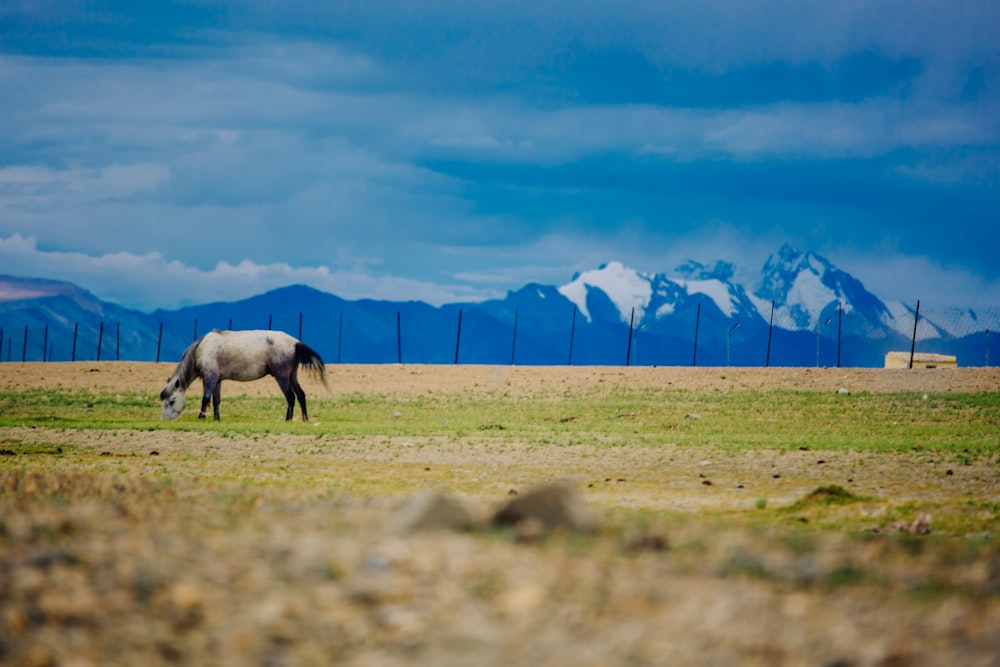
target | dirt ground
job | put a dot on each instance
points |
(102, 563)
(419, 379)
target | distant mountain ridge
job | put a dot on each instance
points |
(802, 311)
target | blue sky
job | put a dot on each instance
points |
(162, 154)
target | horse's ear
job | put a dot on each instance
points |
(177, 383)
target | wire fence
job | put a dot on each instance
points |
(836, 338)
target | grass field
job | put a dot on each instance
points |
(740, 520)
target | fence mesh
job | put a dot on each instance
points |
(704, 339)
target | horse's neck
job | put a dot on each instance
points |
(187, 369)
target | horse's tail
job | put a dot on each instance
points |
(306, 356)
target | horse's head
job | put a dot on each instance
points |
(172, 397)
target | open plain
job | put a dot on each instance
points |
(742, 516)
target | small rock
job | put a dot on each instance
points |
(919, 526)
(555, 505)
(844, 391)
(431, 511)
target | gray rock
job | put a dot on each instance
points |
(431, 511)
(556, 505)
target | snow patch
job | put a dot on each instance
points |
(716, 290)
(810, 294)
(625, 287)
(665, 309)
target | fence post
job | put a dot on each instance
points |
(913, 341)
(987, 345)
(118, 341)
(1, 347)
(458, 337)
(230, 324)
(24, 345)
(300, 325)
(840, 326)
(399, 338)
(513, 343)
(628, 350)
(697, 325)
(45, 343)
(572, 335)
(159, 339)
(340, 336)
(270, 320)
(100, 339)
(76, 326)
(770, 330)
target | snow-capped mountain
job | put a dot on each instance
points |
(657, 296)
(800, 285)
(806, 291)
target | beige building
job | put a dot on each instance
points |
(920, 360)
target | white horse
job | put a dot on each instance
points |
(241, 356)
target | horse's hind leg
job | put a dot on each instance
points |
(216, 399)
(301, 395)
(286, 389)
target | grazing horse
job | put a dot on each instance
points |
(241, 356)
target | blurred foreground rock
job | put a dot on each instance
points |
(431, 510)
(556, 505)
(553, 506)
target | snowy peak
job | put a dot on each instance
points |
(656, 296)
(626, 288)
(803, 284)
(716, 283)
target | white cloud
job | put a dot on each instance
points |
(153, 281)
(893, 276)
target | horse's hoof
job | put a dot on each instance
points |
(201, 415)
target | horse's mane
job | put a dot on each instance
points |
(186, 373)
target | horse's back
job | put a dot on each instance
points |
(245, 355)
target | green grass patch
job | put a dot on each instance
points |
(965, 425)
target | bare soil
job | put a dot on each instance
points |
(419, 379)
(125, 548)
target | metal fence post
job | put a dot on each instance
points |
(76, 327)
(45, 344)
(399, 338)
(628, 350)
(840, 325)
(24, 345)
(159, 339)
(458, 337)
(913, 341)
(340, 336)
(513, 340)
(697, 324)
(572, 335)
(770, 330)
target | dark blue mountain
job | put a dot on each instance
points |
(803, 312)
